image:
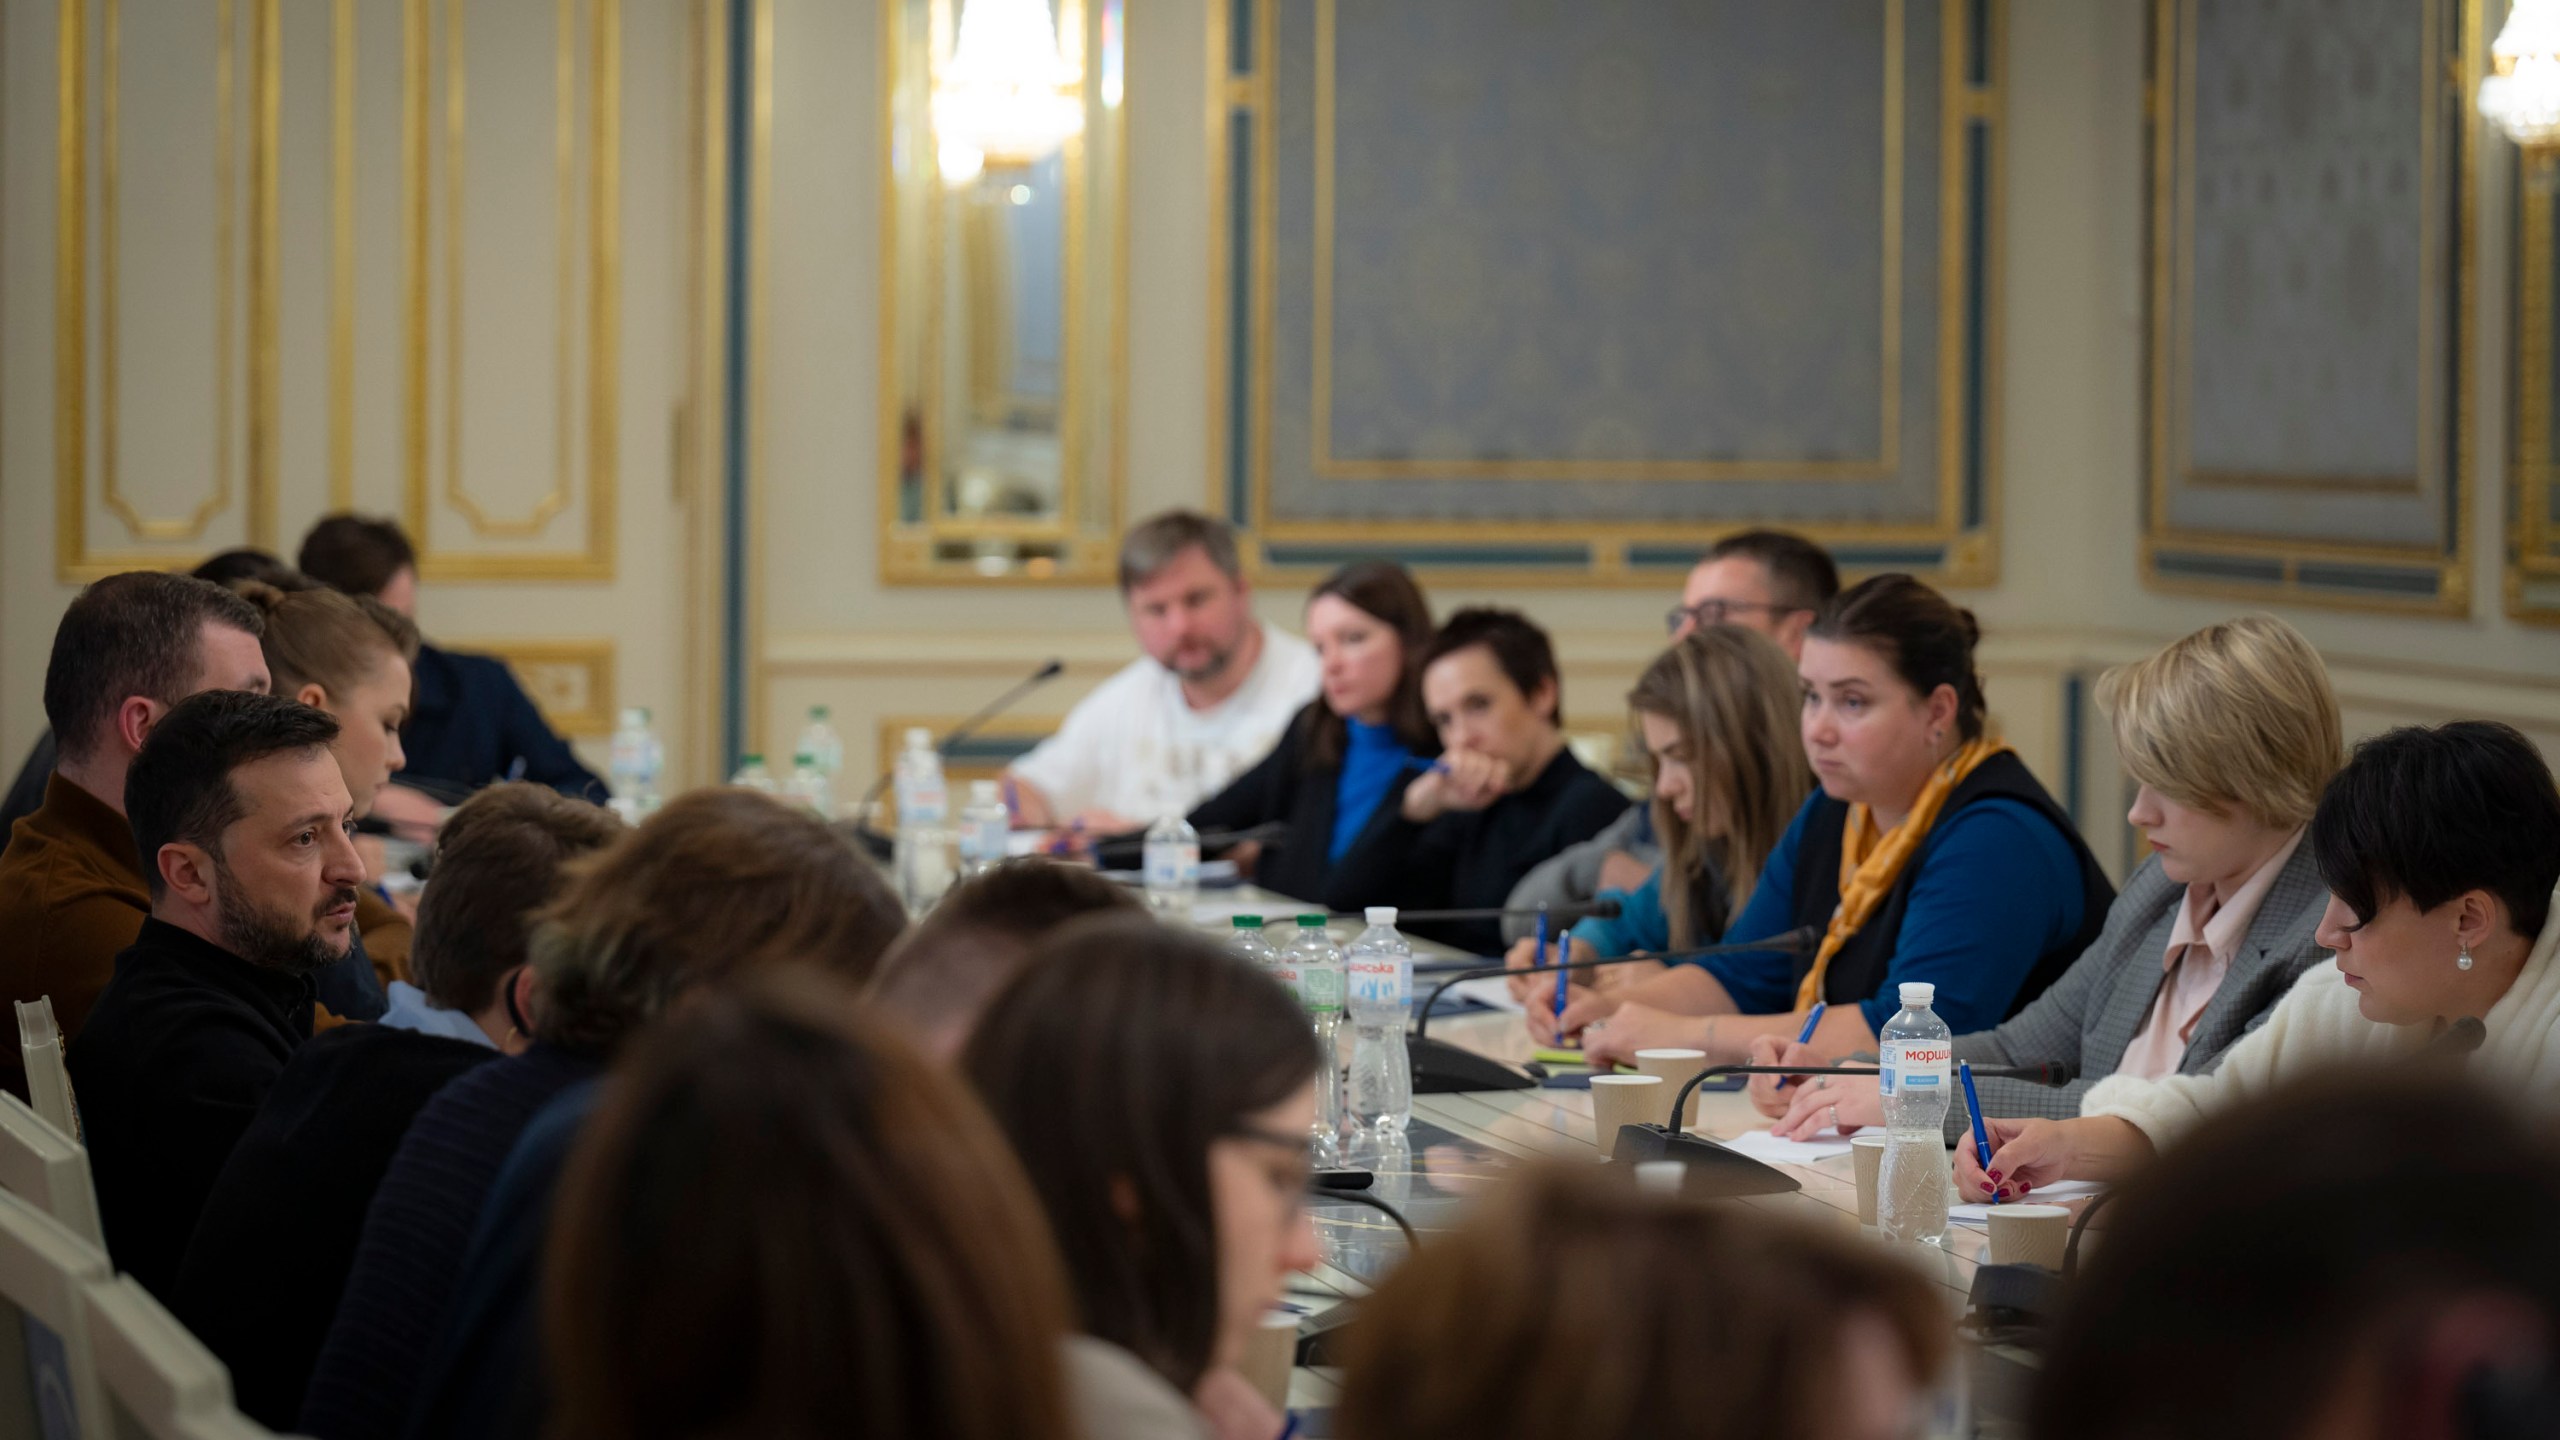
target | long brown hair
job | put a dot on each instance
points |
(783, 1223)
(1571, 1303)
(720, 882)
(1387, 593)
(1735, 700)
(1112, 1066)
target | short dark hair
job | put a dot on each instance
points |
(2434, 813)
(356, 553)
(2263, 1250)
(179, 791)
(720, 883)
(1513, 639)
(1112, 1065)
(245, 562)
(1926, 638)
(1801, 573)
(498, 860)
(981, 932)
(131, 634)
(1158, 541)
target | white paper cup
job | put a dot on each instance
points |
(1866, 1153)
(2030, 1235)
(1270, 1355)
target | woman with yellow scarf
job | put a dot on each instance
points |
(1930, 853)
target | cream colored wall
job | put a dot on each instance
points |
(591, 602)
(2069, 602)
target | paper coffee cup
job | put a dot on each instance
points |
(1270, 1355)
(1675, 1067)
(1620, 1100)
(2030, 1235)
(1866, 1152)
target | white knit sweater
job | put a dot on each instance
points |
(2317, 1023)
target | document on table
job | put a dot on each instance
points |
(1492, 992)
(1769, 1149)
(2060, 1192)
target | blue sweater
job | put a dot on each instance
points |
(1370, 764)
(1998, 886)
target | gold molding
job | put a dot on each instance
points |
(1888, 461)
(599, 417)
(2532, 564)
(2168, 299)
(696, 471)
(1970, 550)
(592, 662)
(74, 559)
(760, 342)
(342, 255)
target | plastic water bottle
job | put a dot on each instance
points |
(822, 745)
(1378, 968)
(1314, 969)
(808, 787)
(985, 828)
(1172, 863)
(1917, 1058)
(1245, 939)
(753, 776)
(636, 762)
(924, 823)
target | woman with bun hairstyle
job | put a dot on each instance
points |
(1929, 854)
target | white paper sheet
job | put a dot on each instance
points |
(1492, 991)
(1979, 1216)
(1762, 1146)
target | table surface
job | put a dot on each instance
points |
(1463, 1142)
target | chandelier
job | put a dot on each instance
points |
(2523, 97)
(1007, 97)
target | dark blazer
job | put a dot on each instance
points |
(470, 723)
(271, 1253)
(2090, 1016)
(1467, 860)
(180, 1052)
(1286, 787)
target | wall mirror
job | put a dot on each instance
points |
(1004, 372)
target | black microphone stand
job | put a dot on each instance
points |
(869, 836)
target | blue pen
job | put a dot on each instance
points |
(1564, 951)
(1812, 1018)
(1973, 1107)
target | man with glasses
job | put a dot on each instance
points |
(1765, 580)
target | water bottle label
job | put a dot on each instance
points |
(1375, 981)
(1288, 972)
(1172, 867)
(1322, 987)
(1914, 1065)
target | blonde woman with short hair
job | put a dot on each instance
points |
(2230, 735)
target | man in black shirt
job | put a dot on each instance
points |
(245, 830)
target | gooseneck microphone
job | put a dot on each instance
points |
(1440, 1068)
(1601, 909)
(882, 846)
(1727, 1173)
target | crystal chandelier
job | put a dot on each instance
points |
(1007, 97)
(2523, 97)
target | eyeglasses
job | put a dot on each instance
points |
(1715, 612)
(1289, 1171)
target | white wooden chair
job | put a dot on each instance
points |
(47, 1169)
(157, 1380)
(48, 1082)
(48, 1381)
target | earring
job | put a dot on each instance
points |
(2463, 961)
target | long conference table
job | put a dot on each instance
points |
(1461, 1144)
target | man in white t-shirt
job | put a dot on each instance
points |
(1210, 699)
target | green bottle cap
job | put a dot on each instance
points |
(1248, 922)
(1310, 922)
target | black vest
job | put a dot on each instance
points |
(1858, 971)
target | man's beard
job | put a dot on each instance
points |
(257, 937)
(1220, 657)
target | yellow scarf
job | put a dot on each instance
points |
(1871, 861)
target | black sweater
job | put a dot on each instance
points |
(1470, 859)
(270, 1256)
(1289, 788)
(172, 1066)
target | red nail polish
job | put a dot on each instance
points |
(1987, 1190)
(1994, 1174)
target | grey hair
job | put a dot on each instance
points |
(1158, 541)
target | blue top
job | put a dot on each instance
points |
(1998, 887)
(1370, 764)
(1642, 923)
(410, 1009)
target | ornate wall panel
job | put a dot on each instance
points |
(1529, 289)
(2311, 268)
(164, 288)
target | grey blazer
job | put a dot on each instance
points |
(2090, 1016)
